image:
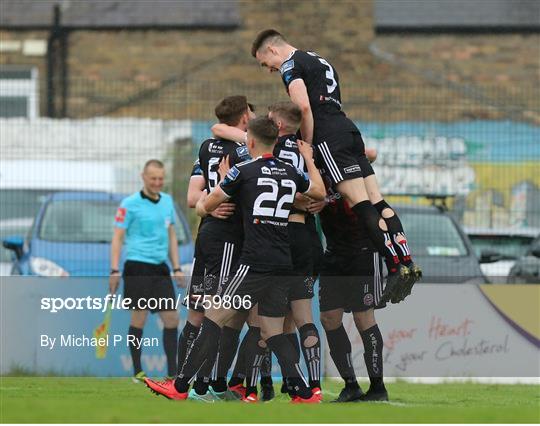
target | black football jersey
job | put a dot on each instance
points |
(344, 232)
(286, 149)
(322, 83)
(265, 188)
(211, 153)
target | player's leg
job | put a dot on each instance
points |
(195, 315)
(228, 346)
(310, 341)
(373, 354)
(369, 292)
(333, 298)
(289, 330)
(236, 382)
(395, 229)
(218, 255)
(300, 295)
(272, 310)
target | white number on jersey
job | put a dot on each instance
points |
(292, 158)
(213, 177)
(272, 195)
(329, 72)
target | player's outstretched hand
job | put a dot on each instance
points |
(224, 211)
(305, 148)
(180, 279)
(224, 167)
(316, 206)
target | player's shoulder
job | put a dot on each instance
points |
(132, 199)
(243, 165)
(296, 60)
(287, 141)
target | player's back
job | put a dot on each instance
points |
(286, 149)
(265, 188)
(211, 153)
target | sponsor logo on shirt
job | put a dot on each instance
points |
(242, 151)
(290, 144)
(287, 66)
(265, 170)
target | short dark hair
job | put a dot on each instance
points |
(231, 109)
(251, 107)
(263, 130)
(264, 36)
(153, 162)
(289, 112)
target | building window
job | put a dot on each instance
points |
(19, 92)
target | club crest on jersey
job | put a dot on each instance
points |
(265, 170)
(286, 66)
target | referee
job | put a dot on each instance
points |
(145, 220)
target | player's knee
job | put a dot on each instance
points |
(364, 320)
(330, 321)
(309, 335)
(382, 225)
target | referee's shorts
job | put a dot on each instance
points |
(149, 286)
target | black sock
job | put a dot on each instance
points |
(228, 344)
(185, 340)
(340, 351)
(170, 336)
(373, 357)
(201, 385)
(239, 371)
(134, 350)
(203, 350)
(395, 229)
(293, 338)
(254, 356)
(283, 349)
(266, 368)
(312, 354)
(381, 239)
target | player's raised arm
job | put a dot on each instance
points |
(316, 189)
(299, 95)
(222, 130)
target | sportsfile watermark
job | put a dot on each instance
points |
(118, 302)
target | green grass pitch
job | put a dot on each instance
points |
(112, 400)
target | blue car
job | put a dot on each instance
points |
(71, 236)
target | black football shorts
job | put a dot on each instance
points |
(353, 283)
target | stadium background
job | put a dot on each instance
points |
(117, 84)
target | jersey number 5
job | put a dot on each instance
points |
(213, 177)
(272, 195)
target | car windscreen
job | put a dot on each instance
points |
(84, 221)
(16, 203)
(509, 246)
(432, 234)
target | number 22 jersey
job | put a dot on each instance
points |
(265, 188)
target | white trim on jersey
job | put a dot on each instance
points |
(330, 162)
(236, 280)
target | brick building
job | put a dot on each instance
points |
(166, 59)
